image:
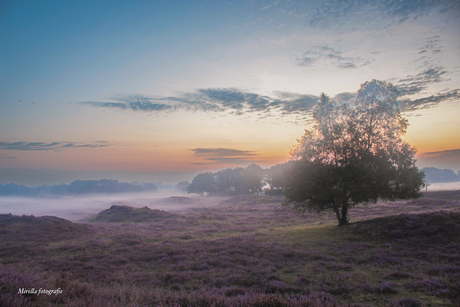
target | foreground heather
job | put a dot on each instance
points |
(245, 251)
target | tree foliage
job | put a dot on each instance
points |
(354, 153)
(230, 181)
(202, 184)
(440, 175)
(182, 186)
(277, 178)
(250, 180)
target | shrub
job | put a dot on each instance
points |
(406, 302)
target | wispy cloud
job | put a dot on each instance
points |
(294, 103)
(335, 12)
(238, 102)
(215, 100)
(48, 146)
(224, 156)
(428, 102)
(265, 7)
(326, 53)
(444, 159)
(433, 45)
(222, 152)
(414, 87)
(135, 103)
(345, 97)
(414, 84)
(452, 153)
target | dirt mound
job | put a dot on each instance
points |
(127, 214)
(49, 227)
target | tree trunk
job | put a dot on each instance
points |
(343, 216)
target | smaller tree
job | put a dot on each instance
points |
(203, 183)
(226, 180)
(182, 186)
(230, 181)
(249, 180)
(277, 178)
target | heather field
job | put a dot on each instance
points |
(238, 251)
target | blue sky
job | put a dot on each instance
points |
(163, 90)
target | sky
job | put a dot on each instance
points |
(163, 90)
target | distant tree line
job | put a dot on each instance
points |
(165, 187)
(272, 181)
(238, 181)
(78, 187)
(433, 175)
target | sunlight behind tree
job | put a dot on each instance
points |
(355, 153)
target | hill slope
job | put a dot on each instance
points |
(123, 214)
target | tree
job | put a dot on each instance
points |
(440, 175)
(182, 186)
(203, 183)
(354, 154)
(250, 179)
(226, 180)
(230, 181)
(276, 178)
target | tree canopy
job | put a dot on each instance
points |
(276, 178)
(182, 186)
(354, 153)
(202, 184)
(230, 181)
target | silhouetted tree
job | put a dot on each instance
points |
(230, 181)
(78, 187)
(354, 154)
(82, 187)
(249, 180)
(182, 186)
(433, 174)
(203, 183)
(227, 180)
(277, 178)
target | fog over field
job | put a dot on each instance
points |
(245, 250)
(444, 186)
(78, 208)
